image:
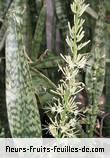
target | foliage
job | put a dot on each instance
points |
(41, 28)
(22, 110)
(95, 74)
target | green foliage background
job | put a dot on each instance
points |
(45, 27)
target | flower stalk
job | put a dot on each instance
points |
(65, 114)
